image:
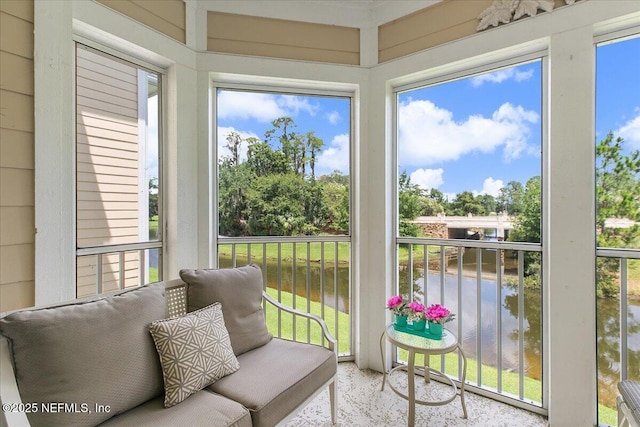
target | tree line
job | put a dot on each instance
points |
(617, 196)
(274, 191)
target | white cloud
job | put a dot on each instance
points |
(450, 196)
(248, 105)
(333, 117)
(263, 107)
(429, 134)
(427, 178)
(222, 141)
(294, 104)
(491, 187)
(630, 131)
(335, 156)
(500, 76)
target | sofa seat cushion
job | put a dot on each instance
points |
(239, 290)
(200, 409)
(93, 353)
(277, 377)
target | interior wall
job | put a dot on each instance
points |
(17, 228)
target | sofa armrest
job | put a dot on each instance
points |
(9, 394)
(325, 331)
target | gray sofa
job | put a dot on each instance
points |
(95, 361)
(628, 403)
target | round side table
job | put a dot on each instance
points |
(419, 345)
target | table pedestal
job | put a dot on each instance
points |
(419, 346)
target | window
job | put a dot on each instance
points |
(284, 191)
(118, 185)
(617, 219)
(469, 208)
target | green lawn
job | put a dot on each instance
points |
(303, 330)
(270, 250)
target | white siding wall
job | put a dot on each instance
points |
(106, 166)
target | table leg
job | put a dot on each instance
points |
(464, 376)
(427, 374)
(412, 389)
(384, 369)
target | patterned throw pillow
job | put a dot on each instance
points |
(194, 350)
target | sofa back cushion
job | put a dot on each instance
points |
(240, 292)
(87, 354)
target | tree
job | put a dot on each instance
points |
(409, 205)
(278, 204)
(488, 202)
(511, 198)
(527, 222)
(263, 160)
(618, 196)
(313, 146)
(466, 203)
(233, 182)
(234, 140)
(271, 194)
(527, 229)
(153, 197)
(618, 192)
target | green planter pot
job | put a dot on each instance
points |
(419, 325)
(401, 320)
(436, 329)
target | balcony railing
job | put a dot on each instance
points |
(494, 288)
(309, 273)
(617, 327)
(106, 268)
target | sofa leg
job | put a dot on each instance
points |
(333, 396)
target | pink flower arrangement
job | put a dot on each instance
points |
(439, 314)
(397, 305)
(416, 311)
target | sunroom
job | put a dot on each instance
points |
(420, 139)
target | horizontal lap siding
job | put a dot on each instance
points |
(443, 22)
(279, 38)
(17, 192)
(165, 16)
(107, 152)
(86, 272)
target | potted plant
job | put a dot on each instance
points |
(438, 315)
(417, 316)
(398, 307)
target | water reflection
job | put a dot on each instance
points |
(317, 286)
(608, 336)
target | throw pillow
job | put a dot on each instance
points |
(239, 290)
(194, 352)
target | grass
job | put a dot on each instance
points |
(607, 416)
(270, 250)
(532, 388)
(153, 225)
(303, 330)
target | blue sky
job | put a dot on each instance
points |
(474, 134)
